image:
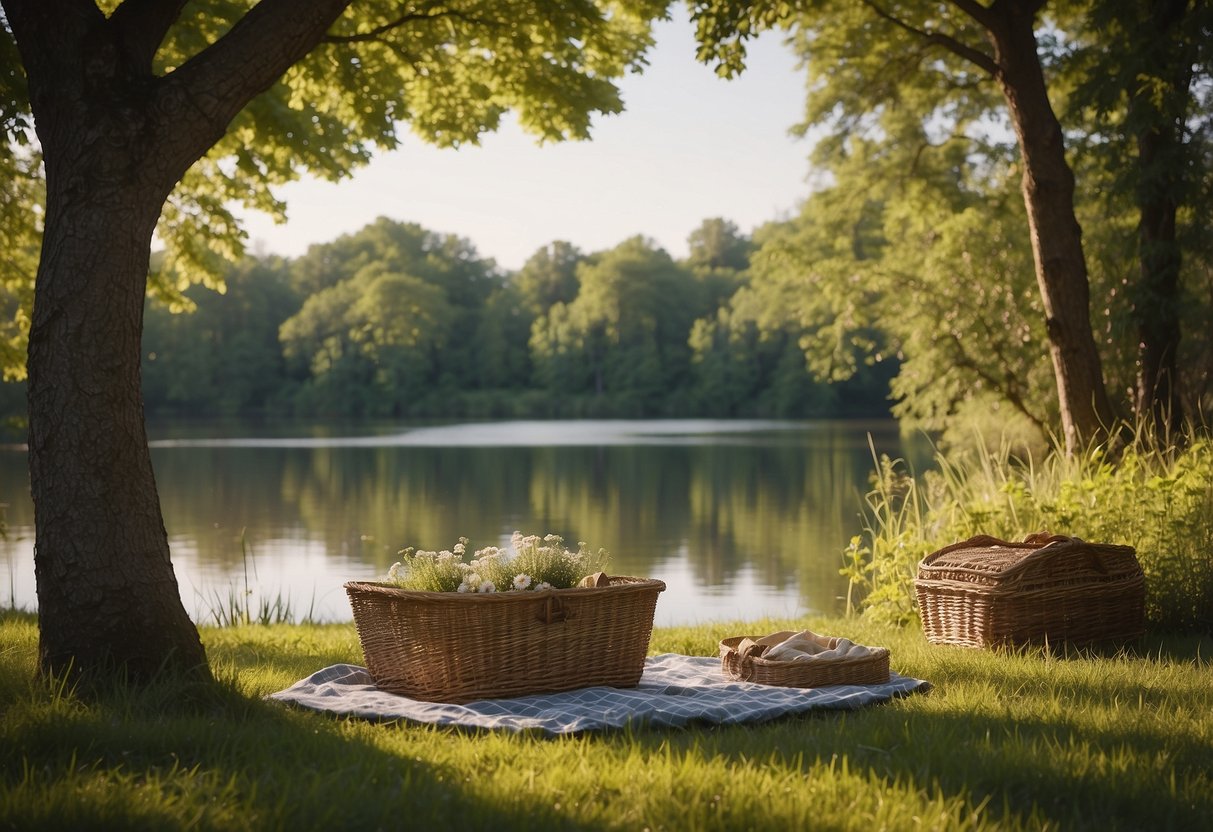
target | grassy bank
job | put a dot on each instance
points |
(1020, 741)
(1156, 498)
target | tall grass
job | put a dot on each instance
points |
(1156, 497)
(238, 607)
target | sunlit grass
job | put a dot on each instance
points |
(1024, 740)
(1155, 497)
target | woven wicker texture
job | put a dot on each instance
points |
(984, 591)
(454, 647)
(864, 670)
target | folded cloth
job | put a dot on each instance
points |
(674, 691)
(808, 646)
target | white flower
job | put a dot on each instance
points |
(472, 579)
(463, 587)
(445, 557)
(461, 546)
(487, 586)
(522, 581)
(394, 572)
(542, 585)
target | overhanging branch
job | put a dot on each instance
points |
(200, 98)
(379, 31)
(961, 50)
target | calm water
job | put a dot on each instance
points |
(741, 519)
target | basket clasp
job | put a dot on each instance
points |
(553, 611)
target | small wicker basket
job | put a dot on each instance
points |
(454, 647)
(737, 664)
(984, 592)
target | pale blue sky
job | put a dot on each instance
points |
(689, 146)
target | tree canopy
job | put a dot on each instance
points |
(927, 115)
(447, 72)
(147, 117)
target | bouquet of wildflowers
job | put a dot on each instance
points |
(531, 563)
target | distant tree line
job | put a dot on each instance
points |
(395, 321)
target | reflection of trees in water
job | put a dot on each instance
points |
(784, 510)
(14, 489)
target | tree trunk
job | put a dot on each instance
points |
(1156, 296)
(116, 138)
(1048, 192)
(107, 595)
(1158, 121)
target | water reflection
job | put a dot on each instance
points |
(741, 519)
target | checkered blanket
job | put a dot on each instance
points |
(674, 691)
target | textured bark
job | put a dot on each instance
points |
(1048, 192)
(116, 139)
(1159, 124)
(107, 595)
(1156, 296)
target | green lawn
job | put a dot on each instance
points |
(1028, 740)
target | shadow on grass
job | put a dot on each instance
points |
(1077, 766)
(177, 755)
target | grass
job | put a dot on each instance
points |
(1155, 497)
(239, 608)
(1025, 740)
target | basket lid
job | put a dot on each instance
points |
(1039, 557)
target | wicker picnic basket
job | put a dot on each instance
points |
(984, 591)
(455, 647)
(737, 663)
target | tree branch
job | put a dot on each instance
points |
(974, 10)
(198, 100)
(1007, 387)
(961, 50)
(43, 28)
(140, 27)
(376, 33)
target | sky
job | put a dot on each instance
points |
(689, 146)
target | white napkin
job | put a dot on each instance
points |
(808, 646)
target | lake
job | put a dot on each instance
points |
(741, 519)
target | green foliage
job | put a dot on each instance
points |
(549, 277)
(21, 197)
(395, 316)
(718, 244)
(449, 72)
(1158, 499)
(1089, 742)
(224, 358)
(624, 335)
(913, 243)
(397, 321)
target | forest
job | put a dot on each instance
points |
(396, 321)
(905, 285)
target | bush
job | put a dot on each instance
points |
(1158, 499)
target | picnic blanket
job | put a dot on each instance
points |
(674, 690)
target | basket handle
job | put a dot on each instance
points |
(974, 542)
(741, 670)
(1051, 545)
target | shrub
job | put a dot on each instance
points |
(1156, 498)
